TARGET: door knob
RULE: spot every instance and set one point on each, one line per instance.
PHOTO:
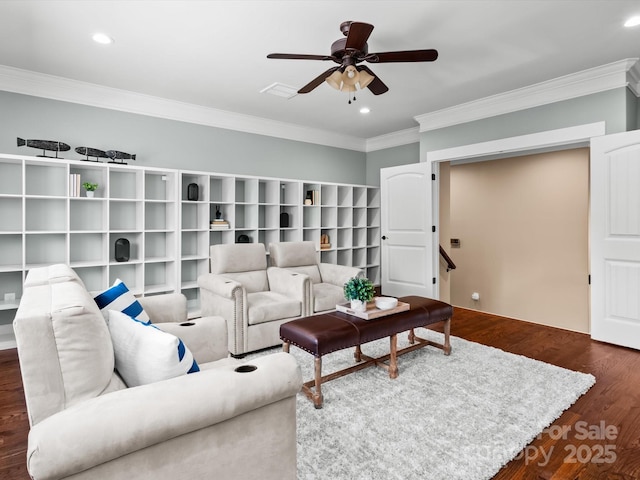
(384, 237)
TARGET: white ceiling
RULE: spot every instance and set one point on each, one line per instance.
(213, 53)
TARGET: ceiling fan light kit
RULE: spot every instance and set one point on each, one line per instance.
(348, 53)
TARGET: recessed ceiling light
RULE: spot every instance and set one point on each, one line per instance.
(632, 22)
(365, 110)
(102, 38)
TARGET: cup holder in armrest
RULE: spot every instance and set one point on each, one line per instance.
(246, 368)
(187, 324)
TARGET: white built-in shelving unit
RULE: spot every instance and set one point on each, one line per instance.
(41, 223)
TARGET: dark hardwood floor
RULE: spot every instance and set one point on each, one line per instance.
(597, 438)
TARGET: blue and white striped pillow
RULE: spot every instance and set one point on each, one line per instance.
(145, 354)
(119, 298)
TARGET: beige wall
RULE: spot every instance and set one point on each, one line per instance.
(445, 230)
(522, 225)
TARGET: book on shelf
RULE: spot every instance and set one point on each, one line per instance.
(74, 184)
(219, 224)
(312, 197)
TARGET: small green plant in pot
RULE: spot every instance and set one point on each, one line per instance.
(359, 291)
(90, 188)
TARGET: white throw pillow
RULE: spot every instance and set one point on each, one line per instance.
(118, 297)
(145, 354)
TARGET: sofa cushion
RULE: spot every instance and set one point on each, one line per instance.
(269, 306)
(118, 297)
(326, 296)
(57, 273)
(145, 354)
(293, 254)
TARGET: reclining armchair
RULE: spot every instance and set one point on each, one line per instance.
(86, 423)
(253, 299)
(327, 279)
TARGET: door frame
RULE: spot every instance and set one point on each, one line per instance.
(509, 147)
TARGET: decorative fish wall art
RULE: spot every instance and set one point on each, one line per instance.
(45, 145)
(91, 152)
(118, 157)
(115, 156)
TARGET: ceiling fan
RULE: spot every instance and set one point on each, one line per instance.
(348, 53)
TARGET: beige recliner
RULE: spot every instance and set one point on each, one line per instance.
(86, 424)
(327, 279)
(253, 299)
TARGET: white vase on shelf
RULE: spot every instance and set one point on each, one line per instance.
(90, 194)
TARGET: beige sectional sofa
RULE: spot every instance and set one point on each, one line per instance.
(86, 424)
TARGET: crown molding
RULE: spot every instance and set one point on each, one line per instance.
(393, 139)
(58, 88)
(624, 73)
(633, 79)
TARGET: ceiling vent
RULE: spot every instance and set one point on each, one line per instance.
(280, 90)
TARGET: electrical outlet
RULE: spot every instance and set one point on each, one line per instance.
(10, 297)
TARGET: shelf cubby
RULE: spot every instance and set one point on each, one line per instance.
(93, 277)
(359, 237)
(45, 249)
(329, 217)
(221, 189)
(201, 180)
(46, 179)
(194, 245)
(329, 195)
(359, 257)
(10, 283)
(10, 214)
(124, 183)
(125, 215)
(345, 238)
(159, 185)
(359, 196)
(129, 273)
(87, 248)
(10, 252)
(159, 215)
(135, 245)
(345, 216)
(87, 214)
(10, 177)
(345, 196)
(45, 215)
(246, 190)
(159, 246)
(159, 277)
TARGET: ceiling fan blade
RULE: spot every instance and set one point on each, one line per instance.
(318, 80)
(296, 56)
(376, 86)
(358, 35)
(403, 56)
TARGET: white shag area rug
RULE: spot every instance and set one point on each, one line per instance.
(462, 416)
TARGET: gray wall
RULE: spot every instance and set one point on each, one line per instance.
(619, 108)
(165, 143)
(390, 157)
(610, 106)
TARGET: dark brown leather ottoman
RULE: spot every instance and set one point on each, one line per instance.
(333, 331)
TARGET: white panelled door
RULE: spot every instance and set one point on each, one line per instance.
(615, 239)
(407, 237)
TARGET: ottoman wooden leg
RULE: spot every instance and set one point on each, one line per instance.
(285, 347)
(447, 332)
(357, 355)
(393, 356)
(412, 337)
(317, 394)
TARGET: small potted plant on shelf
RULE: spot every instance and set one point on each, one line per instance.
(359, 291)
(90, 188)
